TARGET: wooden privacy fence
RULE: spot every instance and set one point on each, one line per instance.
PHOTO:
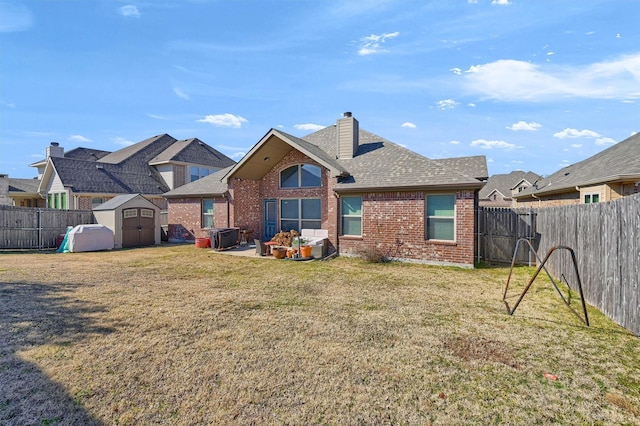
(606, 241)
(36, 228)
(604, 236)
(498, 231)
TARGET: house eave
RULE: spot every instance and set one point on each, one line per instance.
(442, 187)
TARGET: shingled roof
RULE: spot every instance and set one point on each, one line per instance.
(619, 162)
(504, 183)
(212, 186)
(130, 170)
(382, 164)
(378, 164)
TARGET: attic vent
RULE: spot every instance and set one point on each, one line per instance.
(99, 166)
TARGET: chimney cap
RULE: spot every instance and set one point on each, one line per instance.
(348, 114)
(55, 144)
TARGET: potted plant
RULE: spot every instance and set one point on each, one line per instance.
(303, 248)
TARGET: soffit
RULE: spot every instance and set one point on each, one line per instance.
(263, 159)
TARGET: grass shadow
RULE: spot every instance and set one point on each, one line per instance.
(32, 315)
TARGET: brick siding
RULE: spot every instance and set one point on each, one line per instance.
(393, 222)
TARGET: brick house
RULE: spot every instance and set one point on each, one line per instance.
(84, 178)
(368, 192)
(609, 175)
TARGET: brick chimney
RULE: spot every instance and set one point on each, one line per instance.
(55, 150)
(348, 131)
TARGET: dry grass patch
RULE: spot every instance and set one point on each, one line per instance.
(179, 335)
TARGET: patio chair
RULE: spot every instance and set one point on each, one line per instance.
(261, 248)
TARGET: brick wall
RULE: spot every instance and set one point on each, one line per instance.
(247, 207)
(185, 217)
(394, 224)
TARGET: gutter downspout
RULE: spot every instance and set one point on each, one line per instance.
(335, 194)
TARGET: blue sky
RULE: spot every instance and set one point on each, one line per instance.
(533, 85)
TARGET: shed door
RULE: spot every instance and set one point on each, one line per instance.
(138, 227)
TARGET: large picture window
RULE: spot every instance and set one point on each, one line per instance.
(303, 213)
(207, 213)
(441, 217)
(301, 176)
(351, 214)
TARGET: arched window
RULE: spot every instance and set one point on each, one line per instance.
(301, 176)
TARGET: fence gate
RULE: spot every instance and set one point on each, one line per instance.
(499, 229)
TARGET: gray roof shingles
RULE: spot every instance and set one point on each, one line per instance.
(128, 170)
(614, 163)
(378, 164)
(503, 183)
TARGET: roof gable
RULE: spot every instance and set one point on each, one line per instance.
(142, 151)
(272, 148)
(121, 200)
(193, 151)
(504, 183)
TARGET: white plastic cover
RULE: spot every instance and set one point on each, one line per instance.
(90, 238)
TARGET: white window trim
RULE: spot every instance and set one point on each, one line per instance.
(454, 217)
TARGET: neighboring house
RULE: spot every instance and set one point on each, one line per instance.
(19, 192)
(84, 178)
(608, 175)
(369, 193)
(499, 188)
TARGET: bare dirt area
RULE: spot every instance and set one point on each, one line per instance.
(179, 335)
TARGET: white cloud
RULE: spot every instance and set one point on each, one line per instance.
(237, 155)
(309, 127)
(157, 117)
(409, 125)
(129, 11)
(179, 93)
(484, 144)
(471, 105)
(501, 2)
(576, 145)
(511, 80)
(456, 71)
(373, 43)
(79, 138)
(523, 125)
(15, 17)
(472, 1)
(224, 120)
(122, 141)
(605, 141)
(575, 133)
(447, 104)
(454, 142)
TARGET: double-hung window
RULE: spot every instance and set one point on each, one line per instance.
(441, 217)
(301, 213)
(207, 213)
(301, 176)
(351, 214)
